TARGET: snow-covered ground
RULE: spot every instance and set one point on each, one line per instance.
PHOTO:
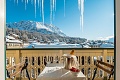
(25, 45)
(53, 45)
(107, 45)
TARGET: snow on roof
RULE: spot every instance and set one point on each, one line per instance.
(13, 41)
(15, 35)
(86, 46)
(10, 37)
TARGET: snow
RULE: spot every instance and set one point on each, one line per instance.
(35, 27)
(61, 31)
(107, 45)
(86, 46)
(39, 26)
(108, 38)
(25, 45)
(54, 45)
(25, 4)
(13, 41)
(10, 37)
(15, 35)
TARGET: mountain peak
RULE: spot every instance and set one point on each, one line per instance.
(34, 26)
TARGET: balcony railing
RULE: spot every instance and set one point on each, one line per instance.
(36, 60)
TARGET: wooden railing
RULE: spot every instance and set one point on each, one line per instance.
(36, 60)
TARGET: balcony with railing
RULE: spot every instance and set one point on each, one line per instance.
(36, 60)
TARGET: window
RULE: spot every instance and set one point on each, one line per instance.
(56, 36)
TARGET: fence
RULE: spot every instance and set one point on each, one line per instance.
(36, 60)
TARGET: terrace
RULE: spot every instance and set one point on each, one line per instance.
(36, 60)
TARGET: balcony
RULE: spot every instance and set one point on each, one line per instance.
(36, 60)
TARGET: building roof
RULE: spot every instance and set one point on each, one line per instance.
(15, 35)
(10, 37)
(13, 41)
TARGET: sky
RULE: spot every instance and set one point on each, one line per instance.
(98, 16)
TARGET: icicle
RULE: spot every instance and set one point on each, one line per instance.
(14, 1)
(51, 11)
(82, 22)
(40, 8)
(35, 7)
(43, 11)
(53, 16)
(31, 1)
(55, 5)
(27, 1)
(22, 1)
(64, 8)
(81, 8)
(17, 2)
(79, 4)
(82, 12)
(38, 3)
(25, 4)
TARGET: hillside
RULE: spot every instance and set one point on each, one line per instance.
(28, 30)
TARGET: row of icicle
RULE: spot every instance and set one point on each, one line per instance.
(40, 5)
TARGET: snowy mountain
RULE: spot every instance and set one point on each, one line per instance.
(107, 39)
(110, 39)
(33, 26)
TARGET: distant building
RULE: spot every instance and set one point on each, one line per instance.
(56, 40)
(94, 44)
(31, 40)
(14, 35)
(12, 42)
